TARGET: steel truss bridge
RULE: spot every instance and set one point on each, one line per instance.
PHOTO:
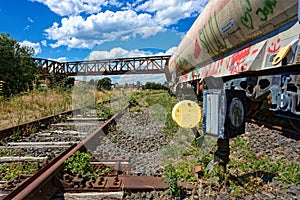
(118, 66)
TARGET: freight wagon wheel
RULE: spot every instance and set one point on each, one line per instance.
(295, 124)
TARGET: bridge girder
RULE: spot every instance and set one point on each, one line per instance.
(118, 66)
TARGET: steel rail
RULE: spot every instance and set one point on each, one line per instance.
(32, 188)
(285, 131)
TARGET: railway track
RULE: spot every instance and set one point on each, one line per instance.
(58, 137)
(128, 168)
(37, 149)
(131, 146)
(47, 144)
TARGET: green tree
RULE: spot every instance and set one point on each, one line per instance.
(104, 84)
(17, 69)
(153, 86)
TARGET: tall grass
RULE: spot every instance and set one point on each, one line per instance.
(33, 105)
(41, 103)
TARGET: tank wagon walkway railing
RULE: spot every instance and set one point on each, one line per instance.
(118, 66)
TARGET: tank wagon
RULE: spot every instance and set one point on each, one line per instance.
(238, 54)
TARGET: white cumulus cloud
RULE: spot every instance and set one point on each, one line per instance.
(77, 32)
(87, 23)
(113, 53)
(171, 11)
(36, 46)
(119, 52)
(75, 7)
(44, 43)
(171, 51)
(60, 59)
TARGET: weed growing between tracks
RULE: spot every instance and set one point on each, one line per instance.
(250, 172)
(10, 171)
(8, 152)
(80, 163)
(247, 172)
(105, 110)
(172, 179)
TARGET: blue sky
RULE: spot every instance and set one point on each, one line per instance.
(72, 30)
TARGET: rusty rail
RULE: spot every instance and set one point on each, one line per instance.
(34, 187)
(285, 131)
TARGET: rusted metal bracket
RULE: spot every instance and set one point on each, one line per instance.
(120, 183)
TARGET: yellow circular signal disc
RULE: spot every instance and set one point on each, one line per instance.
(187, 114)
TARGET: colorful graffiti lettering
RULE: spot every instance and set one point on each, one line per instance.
(210, 38)
(239, 57)
(237, 69)
(254, 51)
(264, 12)
(212, 69)
(182, 65)
(246, 19)
(176, 65)
(193, 75)
(275, 46)
(268, 9)
(184, 78)
(233, 64)
(237, 62)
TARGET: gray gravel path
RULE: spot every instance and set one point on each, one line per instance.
(142, 139)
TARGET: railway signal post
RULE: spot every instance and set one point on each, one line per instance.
(223, 115)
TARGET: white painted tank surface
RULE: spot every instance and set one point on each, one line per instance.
(226, 25)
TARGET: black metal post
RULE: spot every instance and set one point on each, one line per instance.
(222, 153)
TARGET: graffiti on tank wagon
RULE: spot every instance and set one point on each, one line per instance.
(182, 64)
(238, 61)
(213, 68)
(267, 9)
(263, 12)
(246, 19)
(210, 39)
(275, 46)
(234, 64)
